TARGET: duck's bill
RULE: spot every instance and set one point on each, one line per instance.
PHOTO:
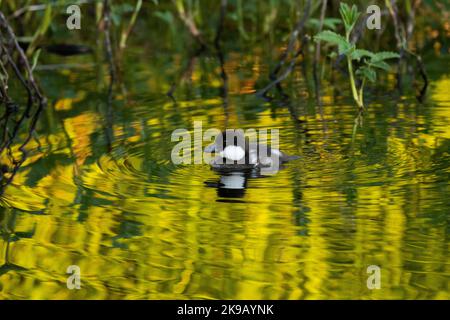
(210, 148)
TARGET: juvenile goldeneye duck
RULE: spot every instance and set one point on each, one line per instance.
(233, 150)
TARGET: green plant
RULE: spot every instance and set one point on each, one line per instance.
(370, 61)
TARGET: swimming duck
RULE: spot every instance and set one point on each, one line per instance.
(234, 151)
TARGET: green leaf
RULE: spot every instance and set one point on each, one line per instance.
(384, 55)
(344, 10)
(368, 73)
(380, 65)
(357, 54)
(165, 16)
(329, 23)
(35, 59)
(349, 16)
(123, 8)
(115, 18)
(331, 37)
(336, 39)
(42, 30)
(312, 22)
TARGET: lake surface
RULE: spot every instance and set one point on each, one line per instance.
(98, 189)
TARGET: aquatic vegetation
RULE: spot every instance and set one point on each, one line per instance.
(371, 62)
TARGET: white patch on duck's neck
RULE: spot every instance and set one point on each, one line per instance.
(234, 153)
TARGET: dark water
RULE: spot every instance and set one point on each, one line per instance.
(98, 189)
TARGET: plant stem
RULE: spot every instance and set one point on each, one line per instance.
(357, 97)
(361, 93)
(352, 81)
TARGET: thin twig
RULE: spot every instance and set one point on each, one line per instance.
(22, 56)
(8, 46)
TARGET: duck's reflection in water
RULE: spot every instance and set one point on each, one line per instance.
(232, 182)
(232, 185)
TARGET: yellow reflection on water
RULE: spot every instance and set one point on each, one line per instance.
(141, 228)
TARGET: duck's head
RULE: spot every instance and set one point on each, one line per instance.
(230, 145)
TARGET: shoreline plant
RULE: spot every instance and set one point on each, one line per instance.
(370, 62)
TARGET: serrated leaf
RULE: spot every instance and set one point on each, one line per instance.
(384, 55)
(346, 49)
(344, 10)
(355, 13)
(349, 16)
(336, 39)
(357, 54)
(367, 73)
(380, 65)
(331, 37)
